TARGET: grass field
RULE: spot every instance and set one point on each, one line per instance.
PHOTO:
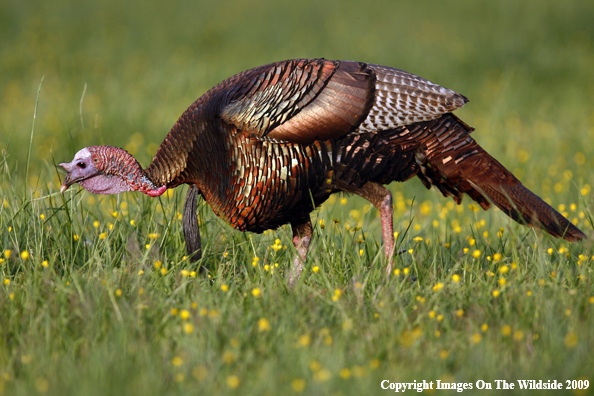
(97, 297)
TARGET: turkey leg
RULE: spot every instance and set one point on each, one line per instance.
(381, 198)
(191, 227)
(302, 233)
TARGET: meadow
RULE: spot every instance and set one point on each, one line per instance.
(98, 298)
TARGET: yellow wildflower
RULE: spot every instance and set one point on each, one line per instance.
(337, 293)
(277, 246)
(570, 340)
(298, 385)
(518, 335)
(233, 381)
(264, 325)
(345, 373)
(184, 314)
(304, 340)
(322, 375)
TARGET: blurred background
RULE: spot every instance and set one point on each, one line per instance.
(121, 73)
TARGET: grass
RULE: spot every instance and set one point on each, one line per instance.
(96, 295)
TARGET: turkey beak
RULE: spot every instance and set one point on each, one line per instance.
(68, 180)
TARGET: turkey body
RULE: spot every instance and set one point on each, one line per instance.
(268, 145)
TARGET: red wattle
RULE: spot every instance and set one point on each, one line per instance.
(156, 192)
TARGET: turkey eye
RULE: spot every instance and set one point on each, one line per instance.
(81, 165)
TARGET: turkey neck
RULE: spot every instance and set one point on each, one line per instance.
(193, 152)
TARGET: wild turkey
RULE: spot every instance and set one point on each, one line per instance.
(268, 145)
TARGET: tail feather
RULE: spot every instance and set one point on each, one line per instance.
(459, 163)
(525, 207)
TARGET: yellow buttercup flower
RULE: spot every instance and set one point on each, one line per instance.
(184, 314)
(233, 381)
(264, 325)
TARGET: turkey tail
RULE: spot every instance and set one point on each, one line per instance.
(525, 207)
(456, 164)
